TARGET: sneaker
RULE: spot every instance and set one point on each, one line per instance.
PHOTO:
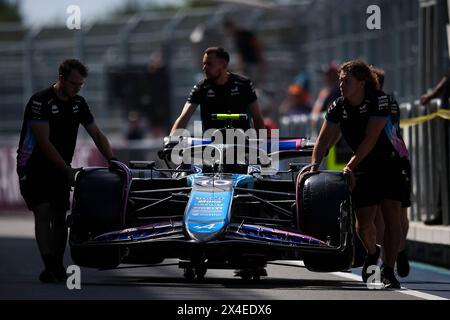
(402, 264)
(388, 279)
(370, 260)
(47, 276)
(60, 274)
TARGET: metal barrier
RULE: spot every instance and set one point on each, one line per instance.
(429, 149)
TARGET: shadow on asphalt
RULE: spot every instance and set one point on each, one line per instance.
(233, 283)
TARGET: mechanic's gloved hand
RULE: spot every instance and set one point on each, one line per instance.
(171, 141)
(71, 175)
(111, 163)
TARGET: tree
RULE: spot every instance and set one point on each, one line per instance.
(9, 11)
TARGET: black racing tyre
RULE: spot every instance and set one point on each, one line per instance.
(97, 208)
(324, 201)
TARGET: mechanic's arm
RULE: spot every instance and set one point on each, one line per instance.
(373, 131)
(327, 138)
(41, 131)
(424, 99)
(100, 140)
(258, 120)
(183, 119)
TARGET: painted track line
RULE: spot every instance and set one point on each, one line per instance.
(355, 277)
(403, 290)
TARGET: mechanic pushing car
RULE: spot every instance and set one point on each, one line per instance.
(221, 92)
(46, 148)
(402, 257)
(362, 116)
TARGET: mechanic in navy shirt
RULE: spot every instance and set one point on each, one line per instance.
(46, 147)
(394, 132)
(361, 116)
(221, 92)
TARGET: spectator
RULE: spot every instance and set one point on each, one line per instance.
(402, 258)
(135, 130)
(298, 101)
(249, 49)
(330, 91)
(46, 147)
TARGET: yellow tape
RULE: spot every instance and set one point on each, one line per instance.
(442, 113)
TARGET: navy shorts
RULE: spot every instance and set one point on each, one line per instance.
(367, 191)
(390, 181)
(44, 187)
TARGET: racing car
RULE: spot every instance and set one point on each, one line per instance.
(213, 215)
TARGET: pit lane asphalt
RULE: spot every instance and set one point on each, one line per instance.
(21, 266)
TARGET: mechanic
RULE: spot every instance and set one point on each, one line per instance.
(46, 147)
(361, 116)
(405, 168)
(221, 92)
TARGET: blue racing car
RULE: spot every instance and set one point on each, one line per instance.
(212, 214)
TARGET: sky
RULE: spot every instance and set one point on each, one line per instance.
(40, 12)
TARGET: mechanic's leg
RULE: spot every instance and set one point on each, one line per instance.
(402, 257)
(393, 233)
(43, 232)
(365, 226)
(405, 228)
(59, 231)
(379, 225)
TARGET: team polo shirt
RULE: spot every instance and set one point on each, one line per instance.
(235, 96)
(63, 117)
(393, 130)
(353, 121)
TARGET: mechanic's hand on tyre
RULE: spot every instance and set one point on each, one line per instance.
(313, 167)
(111, 163)
(351, 176)
(71, 173)
(171, 141)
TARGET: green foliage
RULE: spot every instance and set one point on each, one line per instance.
(200, 3)
(9, 11)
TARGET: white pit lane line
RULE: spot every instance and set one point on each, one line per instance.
(403, 290)
(356, 277)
